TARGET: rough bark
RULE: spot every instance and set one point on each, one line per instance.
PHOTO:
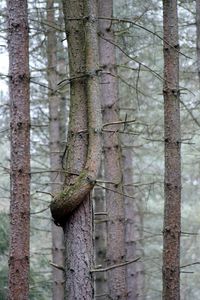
(20, 149)
(72, 208)
(112, 156)
(73, 195)
(55, 150)
(100, 244)
(198, 36)
(133, 226)
(172, 210)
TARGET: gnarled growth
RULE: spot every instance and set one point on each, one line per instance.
(74, 193)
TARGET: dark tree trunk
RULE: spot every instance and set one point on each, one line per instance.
(172, 211)
(72, 208)
(20, 149)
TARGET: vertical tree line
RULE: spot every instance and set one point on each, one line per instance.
(18, 47)
(172, 207)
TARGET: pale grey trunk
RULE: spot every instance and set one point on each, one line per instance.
(172, 211)
(20, 149)
(198, 36)
(112, 155)
(101, 287)
(134, 226)
(55, 148)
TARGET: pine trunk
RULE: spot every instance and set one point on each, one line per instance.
(172, 211)
(112, 155)
(134, 226)
(55, 150)
(20, 149)
(84, 149)
(198, 36)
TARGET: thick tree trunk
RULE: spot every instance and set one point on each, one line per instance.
(198, 36)
(172, 211)
(112, 156)
(78, 238)
(72, 208)
(55, 150)
(20, 149)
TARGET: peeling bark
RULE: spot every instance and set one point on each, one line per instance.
(20, 149)
(172, 211)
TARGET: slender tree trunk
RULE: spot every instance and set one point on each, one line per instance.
(198, 36)
(55, 150)
(20, 149)
(112, 155)
(101, 286)
(172, 211)
(134, 226)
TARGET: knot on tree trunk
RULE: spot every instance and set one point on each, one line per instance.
(71, 197)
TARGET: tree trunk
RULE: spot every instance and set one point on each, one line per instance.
(55, 150)
(198, 36)
(100, 245)
(72, 208)
(133, 228)
(112, 155)
(172, 211)
(20, 149)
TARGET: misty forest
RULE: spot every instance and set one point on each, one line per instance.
(100, 146)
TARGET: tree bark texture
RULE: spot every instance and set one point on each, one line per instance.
(55, 150)
(18, 46)
(133, 225)
(112, 155)
(100, 245)
(73, 195)
(72, 208)
(198, 36)
(172, 206)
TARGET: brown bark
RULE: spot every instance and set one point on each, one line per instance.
(20, 149)
(112, 156)
(55, 149)
(172, 211)
(198, 36)
(73, 195)
(72, 208)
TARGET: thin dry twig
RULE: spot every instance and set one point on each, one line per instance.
(115, 266)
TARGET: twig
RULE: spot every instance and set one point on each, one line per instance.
(118, 122)
(130, 57)
(115, 266)
(45, 193)
(192, 264)
(57, 266)
(144, 28)
(40, 211)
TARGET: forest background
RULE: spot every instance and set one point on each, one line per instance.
(139, 55)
